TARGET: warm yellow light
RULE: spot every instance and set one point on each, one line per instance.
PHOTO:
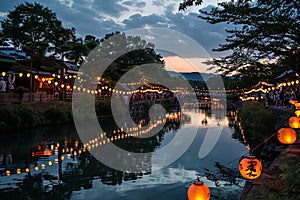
(287, 135)
(49, 82)
(297, 81)
(28, 75)
(56, 160)
(250, 167)
(297, 113)
(3, 73)
(68, 87)
(58, 76)
(66, 77)
(62, 157)
(20, 74)
(74, 76)
(36, 76)
(62, 85)
(198, 191)
(7, 172)
(18, 171)
(69, 155)
(43, 166)
(27, 170)
(36, 168)
(43, 79)
(55, 83)
(50, 163)
(53, 75)
(74, 87)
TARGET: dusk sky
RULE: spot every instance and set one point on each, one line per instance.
(99, 17)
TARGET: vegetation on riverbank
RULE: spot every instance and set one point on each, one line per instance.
(27, 115)
(281, 168)
(257, 122)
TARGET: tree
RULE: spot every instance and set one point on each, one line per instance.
(263, 30)
(36, 30)
(137, 52)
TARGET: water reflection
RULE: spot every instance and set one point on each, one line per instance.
(53, 163)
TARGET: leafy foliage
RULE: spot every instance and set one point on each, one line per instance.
(36, 30)
(285, 185)
(256, 122)
(263, 30)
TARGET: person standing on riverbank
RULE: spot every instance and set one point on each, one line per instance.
(2, 85)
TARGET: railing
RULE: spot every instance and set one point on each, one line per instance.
(25, 97)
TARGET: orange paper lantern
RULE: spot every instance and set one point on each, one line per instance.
(293, 101)
(297, 105)
(198, 191)
(250, 168)
(294, 122)
(287, 135)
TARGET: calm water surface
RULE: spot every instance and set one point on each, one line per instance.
(71, 172)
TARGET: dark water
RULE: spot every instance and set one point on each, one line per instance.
(71, 172)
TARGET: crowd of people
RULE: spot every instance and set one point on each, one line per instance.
(281, 98)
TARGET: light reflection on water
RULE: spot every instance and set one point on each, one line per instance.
(86, 178)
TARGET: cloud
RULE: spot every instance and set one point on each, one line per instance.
(98, 17)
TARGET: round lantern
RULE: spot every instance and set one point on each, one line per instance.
(198, 191)
(287, 135)
(250, 168)
(294, 122)
(297, 105)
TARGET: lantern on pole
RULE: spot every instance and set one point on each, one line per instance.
(287, 135)
(198, 191)
(250, 167)
(294, 122)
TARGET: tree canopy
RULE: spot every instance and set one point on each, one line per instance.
(266, 34)
(123, 53)
(36, 30)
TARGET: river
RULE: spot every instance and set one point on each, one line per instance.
(52, 162)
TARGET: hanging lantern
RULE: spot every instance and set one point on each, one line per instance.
(297, 105)
(250, 167)
(50, 163)
(293, 101)
(294, 122)
(287, 135)
(7, 172)
(28, 75)
(27, 170)
(36, 168)
(18, 171)
(198, 191)
(20, 75)
(43, 166)
(297, 113)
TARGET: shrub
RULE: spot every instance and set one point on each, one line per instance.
(258, 122)
(59, 114)
(18, 116)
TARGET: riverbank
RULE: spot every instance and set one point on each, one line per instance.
(281, 164)
(34, 114)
